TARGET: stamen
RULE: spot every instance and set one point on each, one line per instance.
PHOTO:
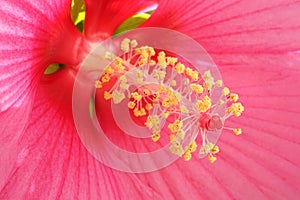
(168, 93)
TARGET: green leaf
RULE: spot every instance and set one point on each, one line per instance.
(78, 13)
(132, 22)
(52, 69)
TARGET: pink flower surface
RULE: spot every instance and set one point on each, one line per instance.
(256, 47)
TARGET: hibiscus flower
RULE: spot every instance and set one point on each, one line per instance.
(256, 47)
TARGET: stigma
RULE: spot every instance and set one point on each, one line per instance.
(174, 99)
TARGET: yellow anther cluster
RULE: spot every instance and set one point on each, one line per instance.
(237, 131)
(197, 88)
(145, 53)
(159, 74)
(204, 104)
(210, 149)
(233, 97)
(215, 150)
(98, 84)
(192, 147)
(107, 95)
(164, 60)
(209, 80)
(139, 112)
(133, 43)
(117, 96)
(219, 83)
(176, 126)
(152, 123)
(118, 64)
(236, 109)
(225, 91)
(171, 60)
(179, 68)
(206, 148)
(194, 75)
(211, 158)
(161, 59)
(136, 96)
(155, 137)
(105, 78)
(176, 147)
(125, 45)
(108, 71)
(171, 100)
(123, 83)
(131, 104)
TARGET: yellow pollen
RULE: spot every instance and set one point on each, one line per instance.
(187, 155)
(215, 150)
(109, 70)
(233, 97)
(161, 59)
(237, 131)
(125, 45)
(155, 137)
(139, 112)
(171, 60)
(179, 68)
(133, 43)
(225, 91)
(206, 148)
(207, 75)
(136, 96)
(105, 78)
(131, 104)
(197, 88)
(193, 146)
(166, 103)
(176, 126)
(98, 84)
(236, 109)
(107, 95)
(204, 104)
(211, 158)
(219, 83)
(117, 96)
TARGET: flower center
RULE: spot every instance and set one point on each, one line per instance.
(151, 86)
(169, 96)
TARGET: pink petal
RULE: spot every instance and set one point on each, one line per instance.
(104, 17)
(53, 163)
(30, 39)
(234, 26)
(252, 48)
